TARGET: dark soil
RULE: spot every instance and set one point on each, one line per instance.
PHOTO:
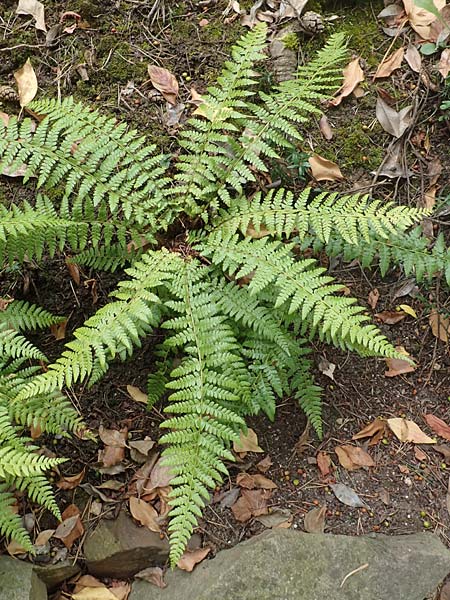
(404, 493)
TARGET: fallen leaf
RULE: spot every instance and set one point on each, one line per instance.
(372, 299)
(59, 330)
(419, 18)
(252, 503)
(137, 395)
(444, 450)
(160, 476)
(191, 558)
(44, 536)
(264, 464)
(419, 454)
(397, 366)
(325, 128)
(113, 437)
(196, 98)
(164, 82)
(74, 271)
(71, 528)
(70, 482)
(303, 441)
(94, 593)
(153, 575)
(375, 430)
(352, 457)
(413, 58)
(439, 426)
(390, 64)
(26, 83)
(35, 9)
(326, 367)
(228, 498)
(114, 451)
(120, 590)
(384, 496)
(445, 592)
(408, 431)
(395, 123)
(403, 469)
(139, 449)
(251, 482)
(277, 518)
(408, 310)
(390, 317)
(353, 75)
(323, 169)
(440, 326)
(324, 463)
(347, 495)
(315, 520)
(145, 514)
(247, 443)
(4, 118)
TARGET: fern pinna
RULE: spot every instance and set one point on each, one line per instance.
(21, 468)
(234, 292)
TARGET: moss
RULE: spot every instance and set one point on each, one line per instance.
(291, 41)
(353, 146)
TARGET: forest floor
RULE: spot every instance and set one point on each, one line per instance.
(103, 61)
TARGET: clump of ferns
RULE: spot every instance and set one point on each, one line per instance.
(237, 299)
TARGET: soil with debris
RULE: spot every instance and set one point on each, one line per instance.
(103, 61)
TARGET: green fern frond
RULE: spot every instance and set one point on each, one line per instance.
(90, 156)
(210, 386)
(10, 522)
(410, 250)
(29, 231)
(355, 218)
(299, 287)
(22, 315)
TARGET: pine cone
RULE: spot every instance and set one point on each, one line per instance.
(8, 94)
(311, 22)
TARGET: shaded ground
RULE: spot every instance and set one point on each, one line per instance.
(405, 493)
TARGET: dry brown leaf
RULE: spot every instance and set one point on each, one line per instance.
(247, 443)
(391, 317)
(352, 457)
(160, 476)
(250, 482)
(4, 118)
(191, 558)
(120, 589)
(395, 123)
(113, 437)
(325, 128)
(353, 75)
(419, 454)
(315, 520)
(94, 593)
(419, 18)
(440, 326)
(413, 58)
(196, 98)
(323, 169)
(27, 84)
(154, 575)
(252, 503)
(408, 431)
(429, 197)
(439, 426)
(35, 9)
(375, 430)
(278, 518)
(303, 441)
(372, 299)
(59, 330)
(74, 271)
(443, 449)
(70, 482)
(165, 82)
(44, 537)
(137, 394)
(264, 464)
(397, 366)
(324, 463)
(390, 64)
(71, 528)
(145, 514)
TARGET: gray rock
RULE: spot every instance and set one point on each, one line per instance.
(289, 565)
(19, 582)
(120, 548)
(54, 575)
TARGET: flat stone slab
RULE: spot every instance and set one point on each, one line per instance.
(290, 565)
(19, 582)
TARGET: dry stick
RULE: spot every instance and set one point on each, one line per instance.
(361, 568)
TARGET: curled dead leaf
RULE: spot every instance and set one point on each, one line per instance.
(353, 457)
(324, 463)
(353, 75)
(439, 426)
(165, 82)
(27, 83)
(323, 169)
(390, 64)
(408, 431)
(191, 558)
(145, 514)
(314, 521)
(247, 442)
(440, 326)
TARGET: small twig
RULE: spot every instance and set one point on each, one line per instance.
(361, 568)
(23, 46)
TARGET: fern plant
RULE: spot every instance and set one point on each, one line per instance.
(212, 260)
(21, 467)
